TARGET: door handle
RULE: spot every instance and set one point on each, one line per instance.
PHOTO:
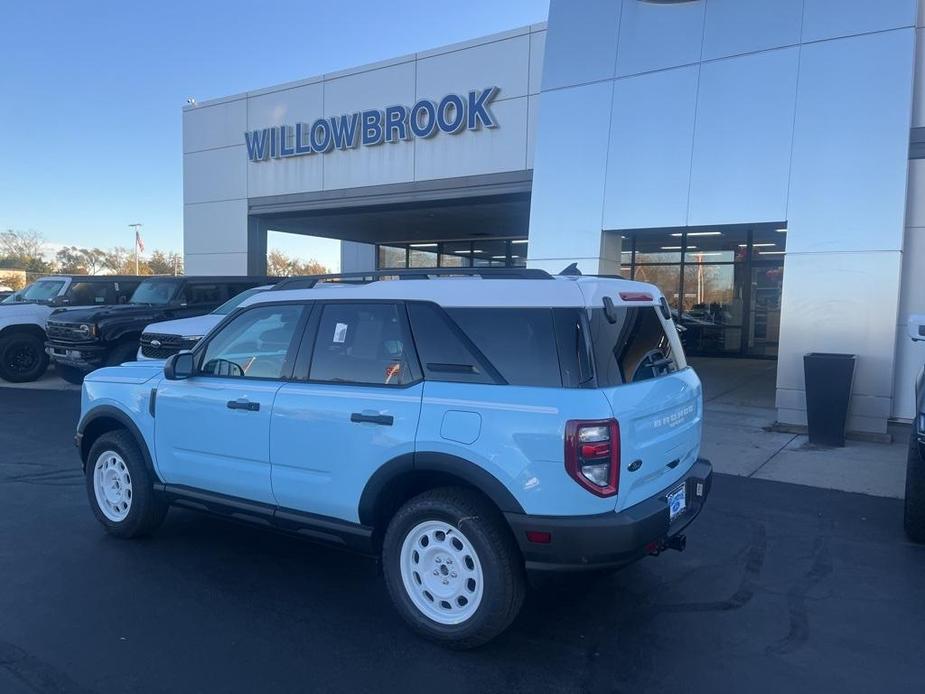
(384, 419)
(244, 405)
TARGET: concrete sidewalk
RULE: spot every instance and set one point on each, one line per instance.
(738, 413)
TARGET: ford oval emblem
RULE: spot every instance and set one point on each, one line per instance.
(635, 465)
(155, 343)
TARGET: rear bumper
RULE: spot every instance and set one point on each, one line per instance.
(610, 539)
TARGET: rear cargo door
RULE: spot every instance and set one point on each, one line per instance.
(655, 398)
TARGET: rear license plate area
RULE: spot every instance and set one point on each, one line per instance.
(677, 502)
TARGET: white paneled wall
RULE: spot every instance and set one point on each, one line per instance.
(741, 112)
(218, 179)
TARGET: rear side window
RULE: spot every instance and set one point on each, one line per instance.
(89, 293)
(519, 342)
(633, 348)
(442, 348)
(196, 294)
(363, 344)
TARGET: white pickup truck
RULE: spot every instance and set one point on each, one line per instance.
(24, 313)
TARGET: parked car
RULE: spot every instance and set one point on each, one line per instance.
(162, 340)
(465, 430)
(23, 315)
(82, 340)
(914, 519)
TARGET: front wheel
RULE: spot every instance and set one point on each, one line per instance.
(914, 517)
(127, 351)
(71, 374)
(120, 488)
(452, 569)
(22, 358)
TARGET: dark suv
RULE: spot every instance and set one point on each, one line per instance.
(80, 341)
(23, 315)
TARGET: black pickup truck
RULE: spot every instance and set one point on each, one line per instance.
(81, 340)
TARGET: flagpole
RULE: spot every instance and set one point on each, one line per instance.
(136, 227)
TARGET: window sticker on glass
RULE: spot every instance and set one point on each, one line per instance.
(340, 332)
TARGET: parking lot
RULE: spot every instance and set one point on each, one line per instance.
(782, 588)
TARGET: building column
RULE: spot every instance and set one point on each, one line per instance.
(357, 257)
(566, 206)
(845, 219)
(256, 246)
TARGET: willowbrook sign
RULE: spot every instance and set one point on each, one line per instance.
(451, 115)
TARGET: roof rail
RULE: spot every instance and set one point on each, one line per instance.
(485, 273)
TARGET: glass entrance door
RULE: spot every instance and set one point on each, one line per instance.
(763, 334)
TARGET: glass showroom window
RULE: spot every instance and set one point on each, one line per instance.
(723, 284)
(392, 257)
(450, 254)
(423, 255)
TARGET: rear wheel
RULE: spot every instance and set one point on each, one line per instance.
(22, 358)
(452, 569)
(914, 519)
(120, 488)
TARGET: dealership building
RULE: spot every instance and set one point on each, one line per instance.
(761, 161)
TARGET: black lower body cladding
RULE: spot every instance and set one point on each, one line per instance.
(610, 540)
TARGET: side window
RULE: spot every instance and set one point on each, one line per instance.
(123, 291)
(199, 294)
(519, 342)
(89, 293)
(442, 348)
(256, 344)
(362, 343)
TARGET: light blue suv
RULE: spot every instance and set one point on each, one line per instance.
(465, 428)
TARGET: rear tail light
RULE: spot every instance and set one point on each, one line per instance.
(592, 455)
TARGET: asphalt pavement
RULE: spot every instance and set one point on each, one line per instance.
(782, 588)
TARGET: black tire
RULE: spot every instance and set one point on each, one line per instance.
(498, 555)
(22, 358)
(914, 516)
(125, 351)
(71, 374)
(146, 510)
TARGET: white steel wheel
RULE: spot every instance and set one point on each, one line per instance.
(112, 485)
(441, 572)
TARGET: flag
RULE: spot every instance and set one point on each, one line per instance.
(138, 242)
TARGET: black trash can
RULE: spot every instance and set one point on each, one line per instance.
(829, 378)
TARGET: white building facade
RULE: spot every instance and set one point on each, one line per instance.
(760, 160)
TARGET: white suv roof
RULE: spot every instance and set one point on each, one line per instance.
(556, 292)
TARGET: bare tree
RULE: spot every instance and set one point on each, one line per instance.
(23, 250)
(279, 264)
(121, 261)
(72, 260)
(161, 263)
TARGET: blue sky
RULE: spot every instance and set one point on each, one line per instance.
(92, 94)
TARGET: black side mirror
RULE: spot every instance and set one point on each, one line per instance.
(179, 366)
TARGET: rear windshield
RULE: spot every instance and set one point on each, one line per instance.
(635, 347)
